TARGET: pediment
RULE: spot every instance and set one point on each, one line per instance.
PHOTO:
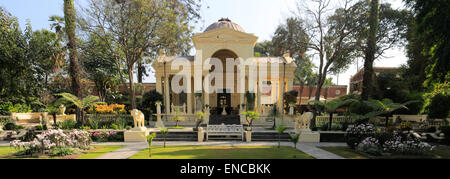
(224, 34)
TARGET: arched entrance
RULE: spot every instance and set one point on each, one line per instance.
(228, 98)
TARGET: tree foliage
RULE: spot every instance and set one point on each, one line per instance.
(135, 28)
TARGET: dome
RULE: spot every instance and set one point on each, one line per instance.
(224, 23)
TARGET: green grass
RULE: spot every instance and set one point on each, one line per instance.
(176, 128)
(344, 152)
(222, 152)
(5, 150)
(440, 152)
(104, 149)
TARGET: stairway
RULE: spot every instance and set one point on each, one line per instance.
(269, 137)
(177, 136)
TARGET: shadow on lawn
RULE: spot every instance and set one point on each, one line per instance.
(224, 152)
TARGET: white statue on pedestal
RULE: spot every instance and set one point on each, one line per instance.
(303, 123)
(139, 120)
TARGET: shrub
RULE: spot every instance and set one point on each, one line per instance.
(148, 105)
(12, 126)
(406, 145)
(110, 136)
(446, 131)
(108, 109)
(63, 151)
(68, 124)
(7, 109)
(52, 140)
(358, 133)
(93, 123)
(437, 102)
(439, 107)
(370, 146)
(114, 126)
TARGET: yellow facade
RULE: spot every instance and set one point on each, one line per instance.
(222, 40)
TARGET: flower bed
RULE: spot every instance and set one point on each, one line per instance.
(53, 142)
(107, 136)
(365, 138)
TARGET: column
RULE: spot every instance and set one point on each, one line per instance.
(189, 102)
(283, 89)
(159, 84)
(290, 83)
(258, 97)
(166, 95)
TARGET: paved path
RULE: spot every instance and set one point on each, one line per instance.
(132, 148)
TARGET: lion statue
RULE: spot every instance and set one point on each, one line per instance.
(304, 121)
(138, 118)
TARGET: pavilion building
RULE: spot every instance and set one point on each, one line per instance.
(224, 40)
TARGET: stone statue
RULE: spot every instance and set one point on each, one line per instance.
(304, 122)
(138, 118)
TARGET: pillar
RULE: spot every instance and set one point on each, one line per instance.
(189, 102)
(166, 95)
(159, 84)
(258, 104)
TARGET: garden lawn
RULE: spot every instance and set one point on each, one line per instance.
(5, 150)
(344, 152)
(100, 150)
(439, 152)
(222, 152)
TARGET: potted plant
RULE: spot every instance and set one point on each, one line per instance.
(250, 116)
(200, 119)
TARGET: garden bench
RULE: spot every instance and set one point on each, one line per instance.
(225, 130)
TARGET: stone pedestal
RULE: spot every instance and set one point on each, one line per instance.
(201, 134)
(291, 110)
(306, 135)
(248, 136)
(136, 135)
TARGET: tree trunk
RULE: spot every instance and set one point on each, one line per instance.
(319, 88)
(331, 121)
(70, 22)
(302, 86)
(131, 85)
(140, 71)
(368, 77)
(387, 121)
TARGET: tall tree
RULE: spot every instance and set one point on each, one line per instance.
(369, 75)
(99, 65)
(74, 70)
(432, 19)
(292, 38)
(331, 38)
(133, 28)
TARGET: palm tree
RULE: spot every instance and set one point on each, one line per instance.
(387, 107)
(294, 138)
(149, 142)
(75, 69)
(164, 131)
(80, 104)
(332, 106)
(280, 130)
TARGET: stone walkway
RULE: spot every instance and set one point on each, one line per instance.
(310, 148)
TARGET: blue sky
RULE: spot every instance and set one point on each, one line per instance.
(259, 17)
